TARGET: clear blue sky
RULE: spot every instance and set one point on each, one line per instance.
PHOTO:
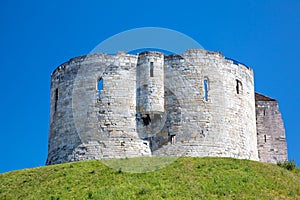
(36, 36)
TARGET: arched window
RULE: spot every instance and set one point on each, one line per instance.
(99, 88)
(239, 87)
(151, 69)
(205, 88)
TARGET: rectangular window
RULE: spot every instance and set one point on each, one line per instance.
(265, 138)
(151, 69)
(99, 88)
(173, 139)
(56, 99)
(205, 86)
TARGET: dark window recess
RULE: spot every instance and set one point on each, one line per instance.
(146, 120)
(205, 86)
(238, 87)
(151, 69)
(56, 99)
(99, 88)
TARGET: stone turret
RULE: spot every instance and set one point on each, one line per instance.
(150, 83)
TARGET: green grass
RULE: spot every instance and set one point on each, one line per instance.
(184, 178)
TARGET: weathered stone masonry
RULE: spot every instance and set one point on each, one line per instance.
(195, 104)
(270, 130)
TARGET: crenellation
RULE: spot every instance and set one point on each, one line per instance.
(198, 103)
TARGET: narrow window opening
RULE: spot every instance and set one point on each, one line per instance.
(205, 86)
(146, 120)
(99, 88)
(265, 138)
(151, 69)
(56, 99)
(173, 139)
(238, 87)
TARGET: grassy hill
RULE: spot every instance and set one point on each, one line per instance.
(184, 178)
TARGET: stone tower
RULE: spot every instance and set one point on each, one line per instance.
(270, 130)
(195, 104)
(150, 83)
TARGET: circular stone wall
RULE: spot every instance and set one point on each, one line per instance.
(208, 108)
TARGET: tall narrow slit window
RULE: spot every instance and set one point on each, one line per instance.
(55, 99)
(99, 88)
(239, 87)
(151, 69)
(265, 138)
(205, 87)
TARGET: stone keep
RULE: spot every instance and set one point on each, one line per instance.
(195, 104)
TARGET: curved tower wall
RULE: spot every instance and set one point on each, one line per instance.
(195, 104)
(221, 123)
(62, 133)
(85, 126)
(150, 83)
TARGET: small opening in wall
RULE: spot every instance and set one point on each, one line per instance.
(146, 120)
(205, 86)
(151, 69)
(238, 86)
(173, 139)
(56, 99)
(265, 138)
(99, 88)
